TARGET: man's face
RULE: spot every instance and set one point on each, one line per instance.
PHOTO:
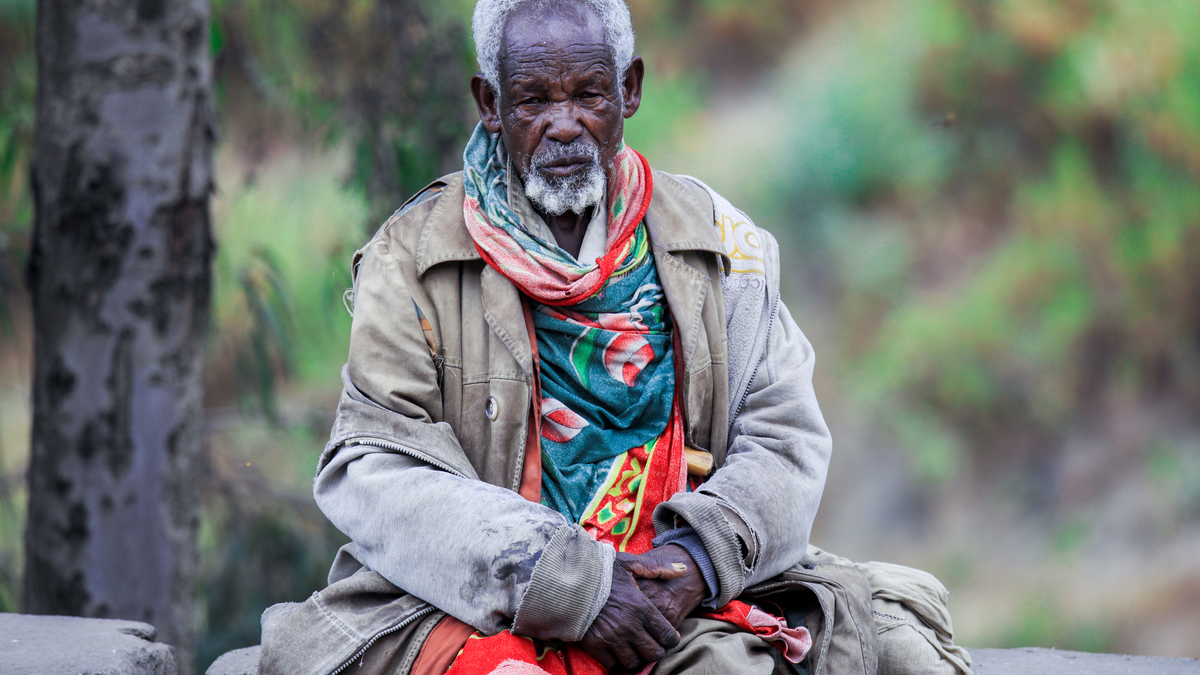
(562, 106)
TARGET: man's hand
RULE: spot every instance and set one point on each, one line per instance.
(630, 631)
(675, 595)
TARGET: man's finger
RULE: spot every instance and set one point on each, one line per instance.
(660, 570)
(648, 648)
(596, 648)
(626, 656)
(660, 629)
(647, 567)
(606, 659)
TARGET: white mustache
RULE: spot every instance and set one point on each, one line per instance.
(579, 146)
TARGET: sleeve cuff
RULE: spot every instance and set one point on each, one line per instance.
(721, 541)
(749, 546)
(569, 586)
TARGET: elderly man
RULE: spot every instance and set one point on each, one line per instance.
(577, 421)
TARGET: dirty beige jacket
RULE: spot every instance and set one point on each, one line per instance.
(426, 455)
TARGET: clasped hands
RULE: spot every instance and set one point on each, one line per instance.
(651, 595)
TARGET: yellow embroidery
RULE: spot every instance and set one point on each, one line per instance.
(741, 245)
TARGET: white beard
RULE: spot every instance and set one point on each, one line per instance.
(574, 193)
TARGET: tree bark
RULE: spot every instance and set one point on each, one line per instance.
(120, 275)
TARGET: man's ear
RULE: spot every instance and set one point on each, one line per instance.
(488, 103)
(632, 86)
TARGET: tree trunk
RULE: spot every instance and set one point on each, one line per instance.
(120, 276)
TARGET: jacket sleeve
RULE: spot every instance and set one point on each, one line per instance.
(399, 485)
(755, 513)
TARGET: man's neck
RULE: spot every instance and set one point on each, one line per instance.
(568, 229)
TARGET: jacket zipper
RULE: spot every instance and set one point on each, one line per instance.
(357, 655)
(746, 394)
(395, 447)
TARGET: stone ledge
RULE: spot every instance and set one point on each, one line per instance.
(1023, 661)
(68, 645)
(236, 662)
(1036, 661)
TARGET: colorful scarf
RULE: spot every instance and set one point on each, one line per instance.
(611, 429)
(541, 270)
(606, 359)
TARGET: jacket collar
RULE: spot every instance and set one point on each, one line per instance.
(676, 219)
(444, 236)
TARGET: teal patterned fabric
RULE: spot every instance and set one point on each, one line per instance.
(608, 381)
(607, 360)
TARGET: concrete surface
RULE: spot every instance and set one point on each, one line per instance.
(1035, 661)
(68, 645)
(236, 662)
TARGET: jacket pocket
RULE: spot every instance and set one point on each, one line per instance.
(698, 405)
(494, 422)
(834, 603)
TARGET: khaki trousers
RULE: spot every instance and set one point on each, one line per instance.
(711, 647)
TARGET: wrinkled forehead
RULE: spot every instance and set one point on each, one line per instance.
(543, 30)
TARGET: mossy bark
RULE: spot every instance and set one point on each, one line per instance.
(120, 275)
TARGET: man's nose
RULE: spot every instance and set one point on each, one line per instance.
(565, 125)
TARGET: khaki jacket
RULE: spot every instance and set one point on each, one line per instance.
(428, 450)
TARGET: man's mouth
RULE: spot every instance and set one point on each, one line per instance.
(561, 167)
(565, 177)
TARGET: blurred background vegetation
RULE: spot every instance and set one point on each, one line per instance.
(990, 211)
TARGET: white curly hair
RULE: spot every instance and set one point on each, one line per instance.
(492, 15)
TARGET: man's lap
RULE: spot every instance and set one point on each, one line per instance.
(706, 646)
(718, 647)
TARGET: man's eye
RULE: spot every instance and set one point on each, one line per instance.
(532, 100)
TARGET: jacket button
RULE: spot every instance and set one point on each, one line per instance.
(492, 410)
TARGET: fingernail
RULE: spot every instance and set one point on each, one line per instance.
(679, 567)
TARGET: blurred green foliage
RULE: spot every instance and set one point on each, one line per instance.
(1002, 200)
(260, 547)
(282, 267)
(1040, 623)
(281, 331)
(267, 354)
(385, 74)
(12, 526)
(17, 74)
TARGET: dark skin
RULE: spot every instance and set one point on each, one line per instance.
(559, 82)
